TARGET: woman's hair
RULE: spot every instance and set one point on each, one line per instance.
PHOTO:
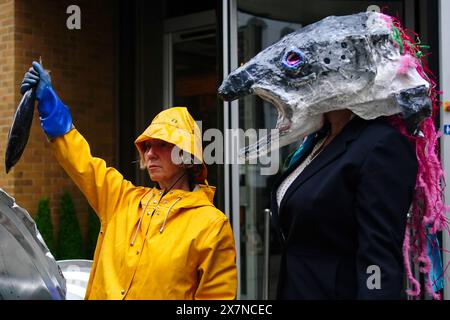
(193, 172)
(427, 214)
(142, 165)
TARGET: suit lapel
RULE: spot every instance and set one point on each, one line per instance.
(274, 204)
(333, 151)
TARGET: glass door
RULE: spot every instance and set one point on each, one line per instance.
(191, 76)
(260, 254)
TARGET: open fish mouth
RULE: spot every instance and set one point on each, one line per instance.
(240, 84)
(270, 142)
(291, 127)
(284, 110)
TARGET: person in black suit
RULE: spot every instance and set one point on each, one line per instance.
(340, 211)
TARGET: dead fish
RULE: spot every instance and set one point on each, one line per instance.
(20, 130)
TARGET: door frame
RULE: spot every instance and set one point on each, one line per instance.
(231, 121)
(174, 29)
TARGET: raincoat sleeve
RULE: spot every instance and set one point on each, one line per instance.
(383, 197)
(104, 187)
(217, 273)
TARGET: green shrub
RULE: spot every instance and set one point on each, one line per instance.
(92, 236)
(44, 223)
(70, 243)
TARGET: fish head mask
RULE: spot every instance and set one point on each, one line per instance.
(341, 62)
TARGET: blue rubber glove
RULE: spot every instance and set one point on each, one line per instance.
(54, 115)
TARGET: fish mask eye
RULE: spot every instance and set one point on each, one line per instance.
(294, 60)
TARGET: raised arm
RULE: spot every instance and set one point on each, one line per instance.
(102, 186)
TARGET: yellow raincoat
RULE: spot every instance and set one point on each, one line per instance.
(183, 248)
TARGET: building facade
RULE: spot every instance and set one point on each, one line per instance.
(30, 30)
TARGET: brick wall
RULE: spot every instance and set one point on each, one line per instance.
(82, 65)
(8, 94)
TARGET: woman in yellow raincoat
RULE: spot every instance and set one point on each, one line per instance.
(166, 242)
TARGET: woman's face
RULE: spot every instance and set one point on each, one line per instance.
(158, 160)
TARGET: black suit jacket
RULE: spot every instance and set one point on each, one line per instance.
(345, 216)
